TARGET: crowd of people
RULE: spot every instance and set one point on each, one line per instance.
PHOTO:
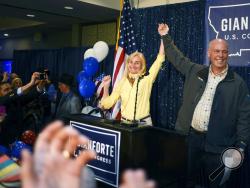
(28, 106)
(215, 115)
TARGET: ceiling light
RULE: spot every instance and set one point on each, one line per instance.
(6, 34)
(30, 15)
(68, 8)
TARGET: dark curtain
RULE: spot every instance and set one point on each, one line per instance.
(58, 61)
(186, 22)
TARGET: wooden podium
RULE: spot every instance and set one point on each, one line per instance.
(160, 152)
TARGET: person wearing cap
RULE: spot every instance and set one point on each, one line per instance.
(69, 103)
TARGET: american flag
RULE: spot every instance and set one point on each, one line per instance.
(99, 86)
(126, 45)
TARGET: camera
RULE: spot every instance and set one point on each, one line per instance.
(42, 76)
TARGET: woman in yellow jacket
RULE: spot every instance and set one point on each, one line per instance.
(134, 89)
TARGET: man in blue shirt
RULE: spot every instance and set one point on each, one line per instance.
(69, 103)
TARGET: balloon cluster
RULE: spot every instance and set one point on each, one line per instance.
(27, 141)
(92, 58)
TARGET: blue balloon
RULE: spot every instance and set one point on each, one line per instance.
(90, 66)
(87, 88)
(81, 75)
(17, 148)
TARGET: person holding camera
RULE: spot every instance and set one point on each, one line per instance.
(13, 102)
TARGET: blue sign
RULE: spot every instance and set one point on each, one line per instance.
(106, 143)
(229, 20)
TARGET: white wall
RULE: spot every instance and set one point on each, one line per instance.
(152, 3)
(115, 4)
(50, 40)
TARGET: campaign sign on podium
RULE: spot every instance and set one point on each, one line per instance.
(106, 143)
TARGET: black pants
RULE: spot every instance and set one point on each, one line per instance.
(201, 163)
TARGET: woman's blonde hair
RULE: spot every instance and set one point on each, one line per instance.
(143, 63)
(16, 82)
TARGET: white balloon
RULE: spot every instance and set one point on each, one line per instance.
(89, 53)
(101, 49)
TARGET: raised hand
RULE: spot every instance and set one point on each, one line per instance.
(163, 29)
(106, 81)
(34, 78)
(51, 165)
(5, 77)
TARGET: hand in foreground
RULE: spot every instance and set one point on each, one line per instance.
(136, 179)
(163, 29)
(51, 165)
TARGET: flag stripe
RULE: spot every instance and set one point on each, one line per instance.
(118, 63)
